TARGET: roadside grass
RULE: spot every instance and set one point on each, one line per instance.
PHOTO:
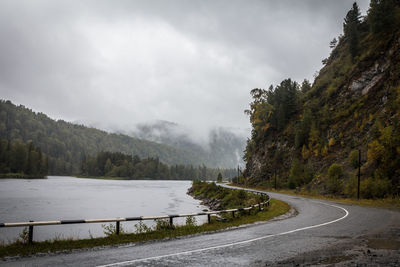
(227, 198)
(276, 208)
(387, 203)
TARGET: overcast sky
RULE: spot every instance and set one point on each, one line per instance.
(118, 63)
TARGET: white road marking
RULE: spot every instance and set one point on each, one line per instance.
(232, 244)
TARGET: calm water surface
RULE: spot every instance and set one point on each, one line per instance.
(63, 198)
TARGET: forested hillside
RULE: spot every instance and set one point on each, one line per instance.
(308, 136)
(132, 167)
(67, 144)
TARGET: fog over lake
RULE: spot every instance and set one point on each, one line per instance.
(63, 198)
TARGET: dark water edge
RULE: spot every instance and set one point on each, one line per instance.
(20, 176)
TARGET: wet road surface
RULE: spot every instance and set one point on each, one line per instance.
(318, 224)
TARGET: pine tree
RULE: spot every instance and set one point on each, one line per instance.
(351, 28)
(381, 15)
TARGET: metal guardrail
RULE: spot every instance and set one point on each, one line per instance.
(118, 221)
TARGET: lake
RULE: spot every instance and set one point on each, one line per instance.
(66, 198)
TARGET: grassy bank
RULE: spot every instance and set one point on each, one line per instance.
(387, 203)
(142, 233)
(225, 198)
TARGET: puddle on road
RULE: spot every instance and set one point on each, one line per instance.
(384, 244)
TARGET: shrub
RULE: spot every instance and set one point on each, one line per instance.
(141, 228)
(334, 175)
(375, 151)
(353, 158)
(190, 221)
(163, 224)
(350, 188)
(111, 229)
(375, 188)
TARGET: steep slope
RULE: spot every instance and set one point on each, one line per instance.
(310, 136)
(66, 144)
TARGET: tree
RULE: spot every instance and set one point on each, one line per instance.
(108, 166)
(351, 28)
(333, 43)
(219, 178)
(305, 86)
(382, 16)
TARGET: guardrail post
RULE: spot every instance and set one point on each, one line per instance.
(209, 218)
(259, 206)
(233, 214)
(30, 234)
(171, 221)
(117, 227)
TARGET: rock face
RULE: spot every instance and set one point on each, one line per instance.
(371, 77)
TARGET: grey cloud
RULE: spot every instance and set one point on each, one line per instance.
(118, 63)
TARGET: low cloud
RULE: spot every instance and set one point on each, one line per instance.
(115, 64)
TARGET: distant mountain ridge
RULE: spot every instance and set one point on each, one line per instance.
(223, 148)
(66, 144)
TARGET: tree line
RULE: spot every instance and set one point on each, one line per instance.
(18, 159)
(117, 164)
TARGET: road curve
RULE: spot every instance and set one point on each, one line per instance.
(318, 224)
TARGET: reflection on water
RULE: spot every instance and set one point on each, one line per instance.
(63, 198)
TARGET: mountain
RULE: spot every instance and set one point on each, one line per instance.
(308, 136)
(66, 144)
(223, 148)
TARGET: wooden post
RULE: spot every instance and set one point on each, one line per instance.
(209, 218)
(30, 234)
(117, 227)
(171, 221)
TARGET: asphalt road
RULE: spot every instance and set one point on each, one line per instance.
(318, 224)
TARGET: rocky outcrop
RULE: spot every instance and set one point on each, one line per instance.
(371, 77)
(212, 204)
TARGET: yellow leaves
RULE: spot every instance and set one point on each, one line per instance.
(316, 152)
(266, 127)
(371, 117)
(324, 151)
(375, 151)
(332, 142)
(386, 136)
(305, 153)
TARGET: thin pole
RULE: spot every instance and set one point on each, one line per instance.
(30, 234)
(359, 174)
(117, 227)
